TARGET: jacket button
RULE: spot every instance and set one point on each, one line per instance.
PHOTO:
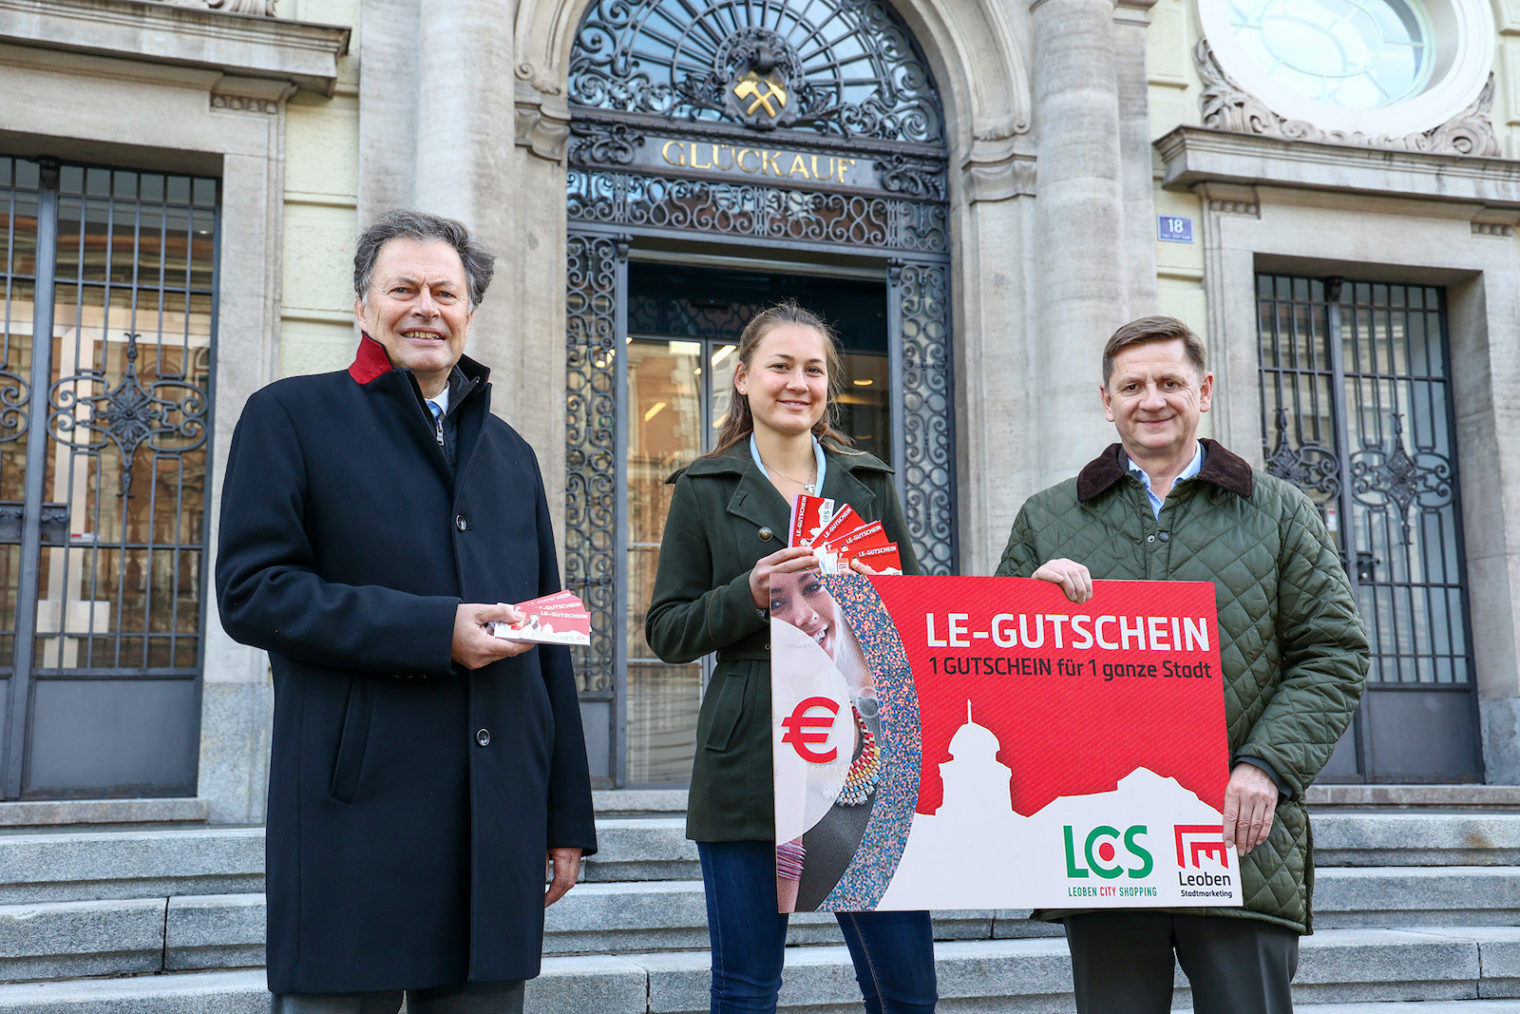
(1164, 536)
(1150, 538)
(766, 535)
(462, 524)
(483, 737)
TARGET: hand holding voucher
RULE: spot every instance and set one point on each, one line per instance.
(782, 561)
(473, 644)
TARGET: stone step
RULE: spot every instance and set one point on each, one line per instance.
(672, 915)
(1410, 896)
(60, 940)
(642, 848)
(1416, 838)
(80, 865)
(194, 932)
(1341, 972)
(90, 865)
(1401, 1007)
(125, 936)
(1356, 971)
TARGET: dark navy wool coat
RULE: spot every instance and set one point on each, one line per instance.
(410, 802)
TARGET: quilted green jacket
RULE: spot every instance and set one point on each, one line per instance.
(1292, 647)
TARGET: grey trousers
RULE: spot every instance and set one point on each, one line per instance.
(471, 998)
(1122, 963)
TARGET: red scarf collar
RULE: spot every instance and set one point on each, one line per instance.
(370, 361)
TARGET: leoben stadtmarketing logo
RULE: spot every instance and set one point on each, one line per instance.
(1201, 847)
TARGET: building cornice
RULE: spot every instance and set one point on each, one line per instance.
(239, 45)
(1194, 155)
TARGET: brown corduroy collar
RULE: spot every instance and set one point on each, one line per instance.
(1226, 470)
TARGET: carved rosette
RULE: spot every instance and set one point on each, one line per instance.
(1228, 106)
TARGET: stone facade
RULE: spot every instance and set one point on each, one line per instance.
(1070, 125)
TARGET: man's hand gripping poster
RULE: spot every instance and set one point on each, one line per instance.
(966, 742)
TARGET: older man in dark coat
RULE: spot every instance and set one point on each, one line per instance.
(423, 771)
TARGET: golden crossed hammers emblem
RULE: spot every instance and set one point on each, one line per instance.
(761, 90)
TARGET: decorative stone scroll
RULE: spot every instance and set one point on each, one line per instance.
(1228, 106)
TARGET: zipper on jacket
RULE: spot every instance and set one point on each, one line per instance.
(438, 430)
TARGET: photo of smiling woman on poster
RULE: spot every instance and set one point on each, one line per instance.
(808, 867)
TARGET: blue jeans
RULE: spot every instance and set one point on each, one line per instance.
(893, 952)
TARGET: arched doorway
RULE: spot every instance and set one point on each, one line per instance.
(721, 156)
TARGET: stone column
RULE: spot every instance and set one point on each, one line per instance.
(467, 167)
(1080, 237)
(389, 63)
(1131, 19)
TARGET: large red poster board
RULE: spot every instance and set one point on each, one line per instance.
(965, 742)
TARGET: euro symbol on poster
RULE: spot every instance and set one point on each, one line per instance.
(803, 729)
(812, 731)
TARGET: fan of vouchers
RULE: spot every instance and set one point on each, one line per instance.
(837, 535)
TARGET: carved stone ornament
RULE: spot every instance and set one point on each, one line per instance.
(245, 104)
(1227, 106)
(261, 7)
(910, 176)
(597, 143)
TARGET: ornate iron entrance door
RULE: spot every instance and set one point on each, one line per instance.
(1356, 411)
(105, 396)
(780, 131)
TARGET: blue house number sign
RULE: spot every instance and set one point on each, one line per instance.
(1174, 228)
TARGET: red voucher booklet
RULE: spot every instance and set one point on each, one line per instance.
(560, 618)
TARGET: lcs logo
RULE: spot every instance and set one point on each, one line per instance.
(1100, 850)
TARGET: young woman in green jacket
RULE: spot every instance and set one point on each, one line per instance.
(723, 560)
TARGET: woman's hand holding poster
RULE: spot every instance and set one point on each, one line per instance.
(966, 742)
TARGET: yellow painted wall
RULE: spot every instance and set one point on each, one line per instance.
(1175, 92)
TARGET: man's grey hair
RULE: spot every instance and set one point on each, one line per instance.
(479, 265)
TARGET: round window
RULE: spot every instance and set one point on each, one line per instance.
(1374, 66)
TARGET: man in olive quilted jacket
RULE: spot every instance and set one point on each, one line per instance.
(1161, 504)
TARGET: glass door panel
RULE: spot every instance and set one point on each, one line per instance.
(684, 326)
(865, 404)
(666, 423)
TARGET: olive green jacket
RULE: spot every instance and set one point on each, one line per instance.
(725, 515)
(1292, 647)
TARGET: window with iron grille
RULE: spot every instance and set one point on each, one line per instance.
(105, 396)
(1357, 411)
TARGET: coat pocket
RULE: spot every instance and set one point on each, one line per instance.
(727, 710)
(348, 765)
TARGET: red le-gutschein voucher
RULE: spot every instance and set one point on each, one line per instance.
(1078, 752)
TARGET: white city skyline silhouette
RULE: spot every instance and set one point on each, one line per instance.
(1021, 862)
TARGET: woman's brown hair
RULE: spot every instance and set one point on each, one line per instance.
(740, 423)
